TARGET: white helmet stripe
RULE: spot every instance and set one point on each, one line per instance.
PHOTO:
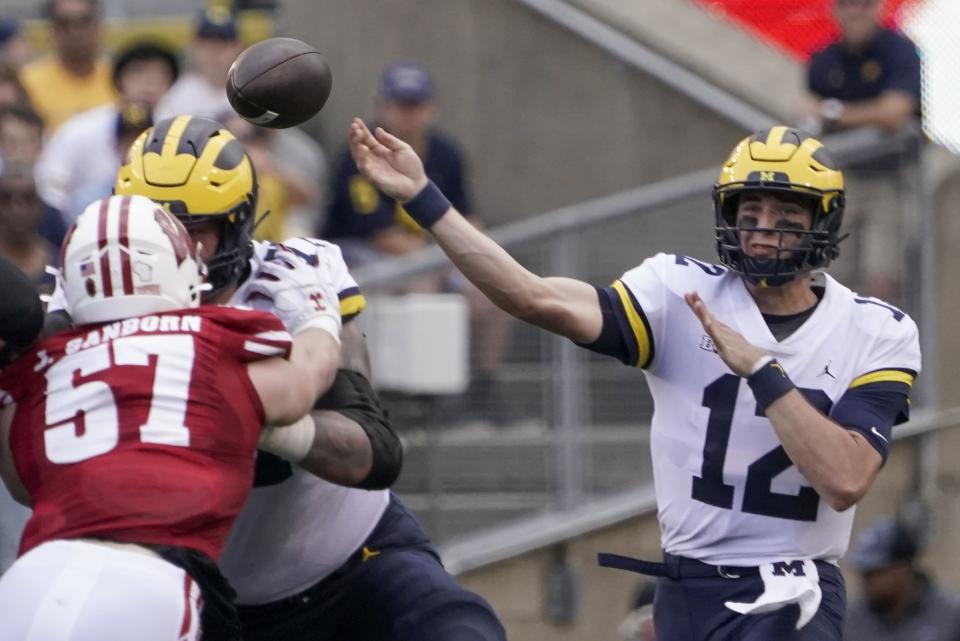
(107, 281)
(126, 273)
(114, 243)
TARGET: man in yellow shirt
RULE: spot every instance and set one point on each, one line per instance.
(75, 76)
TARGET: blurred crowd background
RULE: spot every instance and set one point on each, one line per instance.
(585, 135)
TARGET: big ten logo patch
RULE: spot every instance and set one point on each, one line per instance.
(706, 343)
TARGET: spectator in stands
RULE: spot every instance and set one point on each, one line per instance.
(76, 76)
(870, 76)
(11, 90)
(80, 161)
(638, 624)
(370, 226)
(21, 212)
(282, 187)
(21, 133)
(367, 224)
(199, 90)
(21, 140)
(901, 603)
(14, 46)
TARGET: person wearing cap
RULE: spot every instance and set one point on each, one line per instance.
(900, 601)
(199, 91)
(368, 225)
(79, 162)
(870, 76)
(14, 45)
(76, 75)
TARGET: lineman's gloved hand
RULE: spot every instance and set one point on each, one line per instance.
(301, 295)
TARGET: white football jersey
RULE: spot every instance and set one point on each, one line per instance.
(727, 493)
(300, 528)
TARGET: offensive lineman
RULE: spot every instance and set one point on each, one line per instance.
(310, 560)
(138, 470)
(756, 476)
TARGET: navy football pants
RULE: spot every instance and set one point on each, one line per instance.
(692, 609)
(399, 593)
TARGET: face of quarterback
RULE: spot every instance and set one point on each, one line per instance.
(765, 220)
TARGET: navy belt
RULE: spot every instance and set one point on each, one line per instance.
(676, 567)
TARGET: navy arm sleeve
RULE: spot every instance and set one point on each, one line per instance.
(872, 410)
(611, 341)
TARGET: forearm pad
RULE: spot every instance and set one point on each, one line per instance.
(352, 395)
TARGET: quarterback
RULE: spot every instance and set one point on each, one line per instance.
(775, 387)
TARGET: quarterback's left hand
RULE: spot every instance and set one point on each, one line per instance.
(739, 355)
(301, 295)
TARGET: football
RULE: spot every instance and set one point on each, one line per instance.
(279, 83)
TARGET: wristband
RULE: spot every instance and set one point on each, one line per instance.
(292, 442)
(428, 206)
(769, 383)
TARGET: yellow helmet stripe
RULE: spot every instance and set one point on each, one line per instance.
(172, 142)
(775, 137)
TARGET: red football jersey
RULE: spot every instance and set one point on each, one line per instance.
(142, 430)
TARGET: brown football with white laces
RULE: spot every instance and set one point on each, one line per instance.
(279, 83)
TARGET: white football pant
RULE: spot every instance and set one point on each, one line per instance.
(86, 591)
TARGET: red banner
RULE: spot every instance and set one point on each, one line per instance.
(799, 27)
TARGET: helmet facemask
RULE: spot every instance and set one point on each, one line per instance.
(229, 263)
(818, 245)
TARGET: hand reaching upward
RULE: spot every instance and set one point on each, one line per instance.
(391, 164)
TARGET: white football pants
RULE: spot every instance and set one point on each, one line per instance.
(85, 591)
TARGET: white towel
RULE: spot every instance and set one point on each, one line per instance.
(786, 582)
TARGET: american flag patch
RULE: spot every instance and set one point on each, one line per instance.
(87, 268)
